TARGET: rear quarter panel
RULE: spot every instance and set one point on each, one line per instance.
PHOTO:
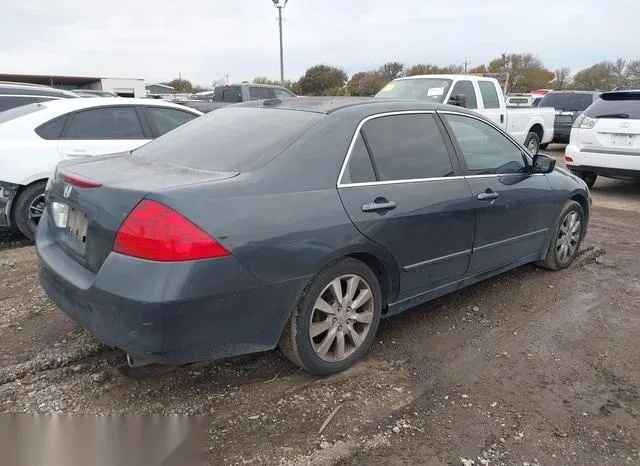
(521, 120)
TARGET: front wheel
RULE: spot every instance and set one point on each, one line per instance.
(28, 209)
(335, 319)
(567, 237)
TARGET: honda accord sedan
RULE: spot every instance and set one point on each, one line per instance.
(297, 223)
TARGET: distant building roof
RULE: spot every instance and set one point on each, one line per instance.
(49, 79)
(147, 86)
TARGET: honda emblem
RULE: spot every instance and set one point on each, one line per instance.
(67, 191)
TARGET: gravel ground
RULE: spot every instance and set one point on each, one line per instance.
(529, 368)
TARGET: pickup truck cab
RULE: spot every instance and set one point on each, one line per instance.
(530, 127)
(235, 93)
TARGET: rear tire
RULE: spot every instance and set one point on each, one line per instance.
(544, 146)
(567, 237)
(325, 334)
(28, 208)
(532, 143)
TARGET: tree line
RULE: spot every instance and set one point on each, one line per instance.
(521, 72)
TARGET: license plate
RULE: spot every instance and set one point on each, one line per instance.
(77, 225)
(622, 139)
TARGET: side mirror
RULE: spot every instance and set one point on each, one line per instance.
(459, 100)
(543, 163)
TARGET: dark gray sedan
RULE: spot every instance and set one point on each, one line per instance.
(297, 223)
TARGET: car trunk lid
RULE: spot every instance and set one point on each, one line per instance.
(93, 213)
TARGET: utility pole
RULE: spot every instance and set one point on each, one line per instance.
(227, 77)
(465, 66)
(280, 4)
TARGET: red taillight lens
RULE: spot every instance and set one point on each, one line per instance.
(156, 232)
(77, 180)
(568, 159)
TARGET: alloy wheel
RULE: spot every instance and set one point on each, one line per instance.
(568, 237)
(36, 209)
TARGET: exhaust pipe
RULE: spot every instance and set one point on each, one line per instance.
(136, 361)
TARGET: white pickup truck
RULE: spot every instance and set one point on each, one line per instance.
(531, 127)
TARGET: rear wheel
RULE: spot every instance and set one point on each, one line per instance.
(532, 143)
(567, 237)
(28, 209)
(544, 146)
(588, 177)
(335, 319)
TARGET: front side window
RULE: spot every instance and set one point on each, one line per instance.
(283, 94)
(260, 93)
(105, 123)
(406, 147)
(466, 88)
(484, 149)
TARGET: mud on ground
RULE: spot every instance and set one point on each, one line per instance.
(532, 367)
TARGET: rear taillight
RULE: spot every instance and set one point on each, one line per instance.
(568, 159)
(156, 232)
(77, 180)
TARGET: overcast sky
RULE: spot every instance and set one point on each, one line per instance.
(206, 39)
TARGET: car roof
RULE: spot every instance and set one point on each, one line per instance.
(13, 88)
(68, 105)
(329, 105)
(571, 91)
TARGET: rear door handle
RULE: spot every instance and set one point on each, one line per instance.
(488, 196)
(378, 206)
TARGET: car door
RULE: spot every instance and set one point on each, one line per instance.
(102, 130)
(164, 119)
(465, 87)
(402, 187)
(514, 206)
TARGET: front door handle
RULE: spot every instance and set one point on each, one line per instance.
(488, 195)
(378, 206)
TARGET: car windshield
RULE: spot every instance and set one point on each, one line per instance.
(430, 89)
(568, 101)
(230, 139)
(619, 105)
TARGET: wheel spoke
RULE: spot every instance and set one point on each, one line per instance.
(562, 253)
(340, 345)
(362, 317)
(576, 227)
(336, 289)
(352, 287)
(317, 328)
(323, 306)
(323, 348)
(355, 336)
(364, 296)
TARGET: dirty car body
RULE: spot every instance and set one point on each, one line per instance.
(277, 208)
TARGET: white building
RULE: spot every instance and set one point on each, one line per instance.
(124, 87)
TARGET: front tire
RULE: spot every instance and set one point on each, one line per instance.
(28, 209)
(532, 143)
(335, 318)
(567, 237)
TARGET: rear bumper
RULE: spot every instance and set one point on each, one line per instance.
(8, 192)
(173, 313)
(614, 165)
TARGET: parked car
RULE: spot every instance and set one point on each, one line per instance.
(568, 105)
(16, 94)
(605, 138)
(234, 93)
(529, 126)
(627, 88)
(93, 93)
(206, 243)
(35, 137)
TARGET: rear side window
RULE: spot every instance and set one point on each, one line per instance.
(259, 93)
(105, 123)
(625, 105)
(405, 147)
(466, 88)
(230, 139)
(228, 94)
(167, 119)
(359, 169)
(489, 94)
(567, 101)
(51, 129)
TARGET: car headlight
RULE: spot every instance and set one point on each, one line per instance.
(584, 122)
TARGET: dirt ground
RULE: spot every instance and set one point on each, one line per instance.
(529, 368)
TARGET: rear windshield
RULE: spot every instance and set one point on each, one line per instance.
(230, 139)
(571, 102)
(429, 89)
(18, 111)
(622, 105)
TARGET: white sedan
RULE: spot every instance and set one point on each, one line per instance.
(35, 137)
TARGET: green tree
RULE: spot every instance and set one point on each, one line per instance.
(180, 85)
(392, 70)
(562, 78)
(606, 75)
(520, 72)
(366, 83)
(323, 80)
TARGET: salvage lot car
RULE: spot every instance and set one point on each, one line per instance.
(35, 137)
(206, 243)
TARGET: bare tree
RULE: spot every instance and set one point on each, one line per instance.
(563, 77)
